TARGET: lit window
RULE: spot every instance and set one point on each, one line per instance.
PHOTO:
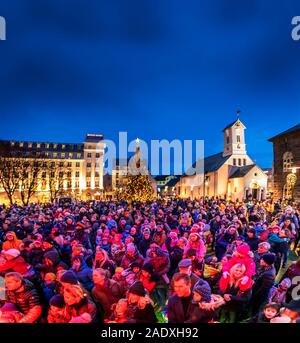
(96, 184)
(47, 146)
(38, 145)
(29, 145)
(63, 146)
(21, 144)
(77, 164)
(88, 184)
(77, 174)
(55, 146)
(78, 155)
(63, 155)
(55, 155)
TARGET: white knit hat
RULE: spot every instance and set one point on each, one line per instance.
(12, 252)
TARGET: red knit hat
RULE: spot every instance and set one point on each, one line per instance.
(276, 227)
(243, 249)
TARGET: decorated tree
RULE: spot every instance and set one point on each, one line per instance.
(138, 188)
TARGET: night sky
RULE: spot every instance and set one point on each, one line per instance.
(159, 69)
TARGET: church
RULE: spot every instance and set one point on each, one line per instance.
(230, 174)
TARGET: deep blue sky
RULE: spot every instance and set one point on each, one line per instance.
(157, 69)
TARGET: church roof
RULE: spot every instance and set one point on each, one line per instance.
(242, 171)
(292, 129)
(233, 123)
(213, 162)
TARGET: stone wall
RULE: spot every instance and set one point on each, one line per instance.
(282, 144)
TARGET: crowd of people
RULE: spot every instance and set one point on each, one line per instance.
(175, 261)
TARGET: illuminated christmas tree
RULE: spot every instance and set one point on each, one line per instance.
(138, 187)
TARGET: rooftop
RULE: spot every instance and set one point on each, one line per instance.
(291, 130)
(242, 171)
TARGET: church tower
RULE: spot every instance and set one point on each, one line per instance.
(234, 139)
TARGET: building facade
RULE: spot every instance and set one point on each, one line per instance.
(76, 169)
(286, 164)
(229, 174)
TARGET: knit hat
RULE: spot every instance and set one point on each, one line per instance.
(268, 258)
(185, 263)
(148, 268)
(241, 238)
(293, 305)
(12, 252)
(69, 277)
(134, 265)
(137, 288)
(243, 249)
(202, 287)
(57, 301)
(276, 227)
(285, 283)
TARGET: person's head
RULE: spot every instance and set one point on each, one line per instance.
(242, 251)
(47, 244)
(147, 270)
(10, 236)
(73, 294)
(133, 231)
(225, 259)
(289, 210)
(232, 230)
(135, 292)
(118, 272)
(240, 240)
(251, 233)
(131, 249)
(121, 308)
(237, 271)
(181, 243)
(263, 247)
(135, 267)
(185, 266)
(276, 229)
(182, 284)
(57, 305)
(201, 292)
(285, 284)
(194, 237)
(271, 310)
(13, 281)
(76, 263)
(49, 277)
(100, 276)
(292, 310)
(77, 250)
(267, 260)
(100, 254)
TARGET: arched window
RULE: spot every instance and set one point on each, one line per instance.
(288, 160)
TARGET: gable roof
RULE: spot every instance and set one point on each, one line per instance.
(292, 129)
(242, 171)
(233, 123)
(213, 162)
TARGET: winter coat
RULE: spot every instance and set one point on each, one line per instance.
(206, 312)
(17, 264)
(107, 295)
(252, 242)
(176, 312)
(27, 301)
(161, 263)
(175, 258)
(85, 306)
(84, 275)
(127, 260)
(146, 315)
(263, 284)
(199, 246)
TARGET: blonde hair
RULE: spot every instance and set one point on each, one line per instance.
(75, 291)
(233, 281)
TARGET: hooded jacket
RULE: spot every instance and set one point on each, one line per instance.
(127, 259)
(161, 262)
(17, 264)
(84, 275)
(13, 244)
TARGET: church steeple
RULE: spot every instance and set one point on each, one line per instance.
(234, 138)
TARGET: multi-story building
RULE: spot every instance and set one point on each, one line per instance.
(78, 167)
(286, 164)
